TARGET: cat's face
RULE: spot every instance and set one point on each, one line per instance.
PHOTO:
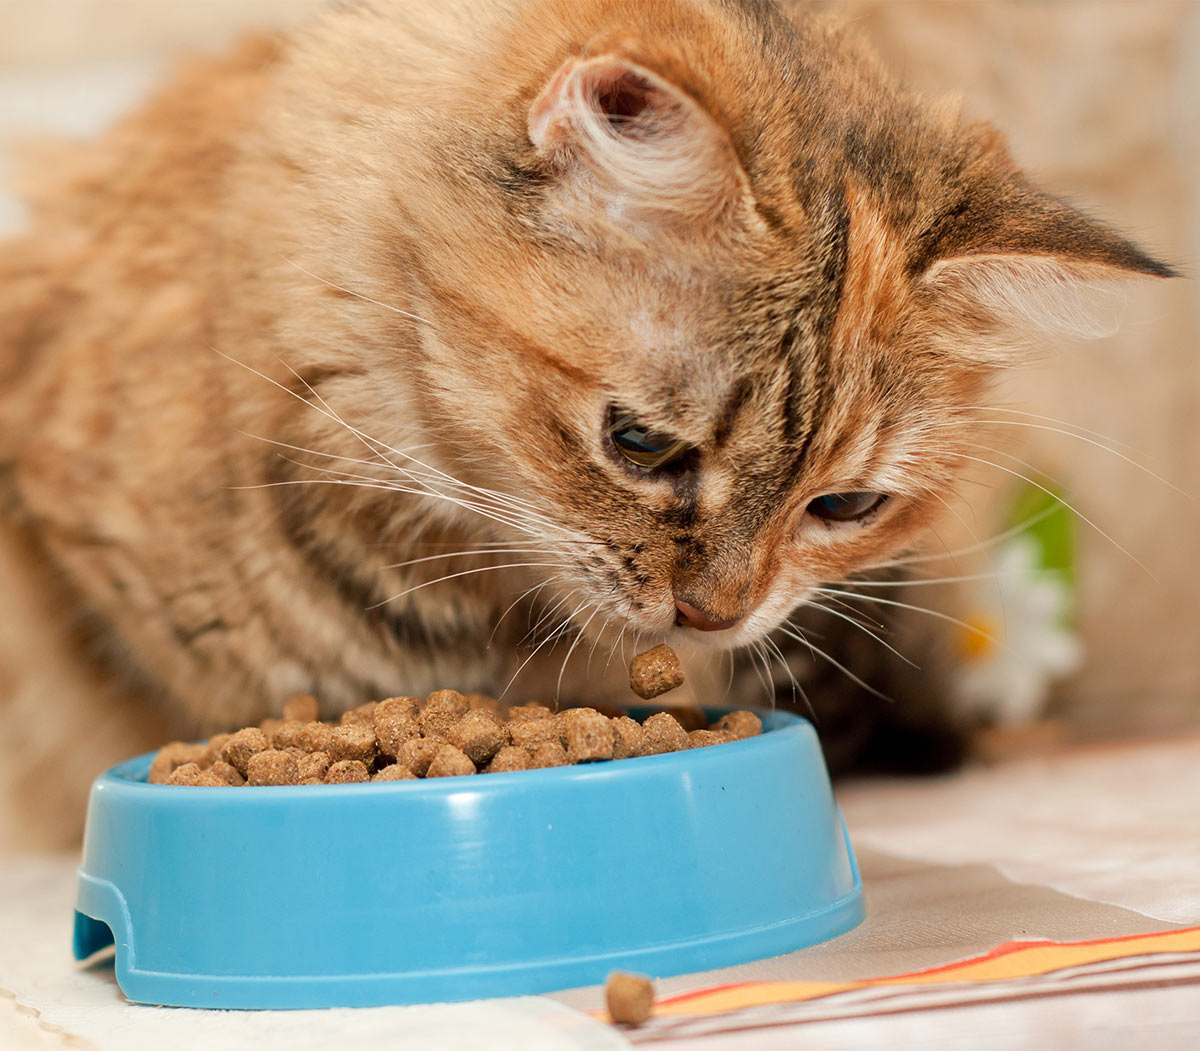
(708, 299)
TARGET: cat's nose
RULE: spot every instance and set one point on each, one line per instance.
(688, 616)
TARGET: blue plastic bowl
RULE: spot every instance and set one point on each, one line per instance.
(465, 887)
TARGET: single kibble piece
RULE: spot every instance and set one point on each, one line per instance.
(478, 735)
(288, 734)
(269, 726)
(300, 709)
(741, 724)
(690, 717)
(546, 755)
(397, 708)
(655, 672)
(589, 735)
(418, 753)
(187, 774)
(630, 997)
(532, 732)
(313, 764)
(315, 737)
(450, 762)
(520, 713)
(272, 767)
(509, 759)
(242, 745)
(363, 715)
(395, 772)
(443, 708)
(663, 734)
(703, 738)
(226, 773)
(172, 756)
(629, 739)
(353, 741)
(347, 772)
(393, 729)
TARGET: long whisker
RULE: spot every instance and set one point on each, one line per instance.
(794, 633)
(1054, 496)
(938, 614)
(357, 295)
(851, 620)
(1099, 445)
(467, 573)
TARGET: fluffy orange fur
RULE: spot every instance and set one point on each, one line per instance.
(340, 314)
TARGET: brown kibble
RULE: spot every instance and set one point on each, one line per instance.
(589, 735)
(508, 759)
(663, 734)
(315, 737)
(185, 774)
(547, 754)
(362, 715)
(272, 767)
(450, 762)
(629, 739)
(226, 773)
(655, 672)
(741, 724)
(704, 738)
(314, 764)
(478, 735)
(532, 732)
(418, 753)
(392, 731)
(484, 702)
(353, 741)
(242, 745)
(347, 772)
(395, 772)
(443, 708)
(520, 713)
(301, 708)
(212, 751)
(689, 717)
(397, 708)
(629, 997)
(172, 756)
(288, 734)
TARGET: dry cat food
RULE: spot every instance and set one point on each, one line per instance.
(629, 997)
(654, 672)
(447, 734)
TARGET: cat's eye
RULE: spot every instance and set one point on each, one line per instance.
(645, 447)
(845, 507)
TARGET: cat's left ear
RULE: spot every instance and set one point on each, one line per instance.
(630, 145)
(1010, 259)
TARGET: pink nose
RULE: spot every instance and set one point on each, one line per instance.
(688, 616)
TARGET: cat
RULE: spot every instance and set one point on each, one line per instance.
(477, 343)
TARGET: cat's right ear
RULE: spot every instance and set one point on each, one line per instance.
(632, 147)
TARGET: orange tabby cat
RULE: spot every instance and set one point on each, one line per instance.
(636, 320)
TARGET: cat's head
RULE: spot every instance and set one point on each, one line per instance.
(710, 299)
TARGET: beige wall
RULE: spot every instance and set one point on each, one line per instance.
(1102, 102)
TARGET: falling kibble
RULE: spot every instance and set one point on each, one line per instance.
(655, 672)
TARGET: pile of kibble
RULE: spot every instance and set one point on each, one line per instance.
(447, 734)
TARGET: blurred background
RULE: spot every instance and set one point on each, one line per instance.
(1101, 103)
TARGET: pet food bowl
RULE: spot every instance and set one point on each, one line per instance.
(465, 887)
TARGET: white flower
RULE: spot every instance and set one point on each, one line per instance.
(1018, 641)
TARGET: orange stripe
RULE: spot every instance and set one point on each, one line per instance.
(1008, 960)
